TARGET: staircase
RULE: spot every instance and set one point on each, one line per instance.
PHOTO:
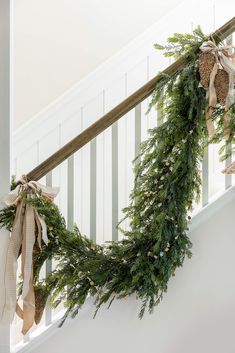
(96, 165)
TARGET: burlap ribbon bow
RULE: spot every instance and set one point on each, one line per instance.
(224, 60)
(28, 227)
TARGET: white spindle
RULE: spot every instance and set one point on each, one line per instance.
(93, 190)
(115, 188)
(137, 129)
(205, 178)
(70, 192)
(48, 312)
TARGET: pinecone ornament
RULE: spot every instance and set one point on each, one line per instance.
(40, 295)
(40, 303)
(221, 85)
(207, 61)
(206, 64)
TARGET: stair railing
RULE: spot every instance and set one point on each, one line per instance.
(115, 114)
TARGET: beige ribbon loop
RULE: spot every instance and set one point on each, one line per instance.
(13, 197)
(224, 60)
(28, 225)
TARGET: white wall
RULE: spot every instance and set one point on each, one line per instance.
(58, 42)
(196, 315)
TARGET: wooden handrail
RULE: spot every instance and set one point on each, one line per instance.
(116, 113)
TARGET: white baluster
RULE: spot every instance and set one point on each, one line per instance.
(137, 129)
(115, 189)
(70, 192)
(93, 190)
(48, 311)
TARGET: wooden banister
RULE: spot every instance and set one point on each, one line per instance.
(116, 113)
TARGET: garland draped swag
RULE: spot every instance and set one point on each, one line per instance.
(197, 107)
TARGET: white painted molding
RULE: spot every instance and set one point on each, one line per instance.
(37, 338)
(43, 334)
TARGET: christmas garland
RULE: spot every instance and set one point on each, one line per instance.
(167, 180)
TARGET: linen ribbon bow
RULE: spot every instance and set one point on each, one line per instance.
(28, 226)
(224, 60)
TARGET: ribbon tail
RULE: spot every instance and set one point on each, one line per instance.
(28, 308)
(19, 311)
(27, 269)
(209, 122)
(11, 265)
(42, 225)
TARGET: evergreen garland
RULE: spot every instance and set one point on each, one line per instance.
(167, 180)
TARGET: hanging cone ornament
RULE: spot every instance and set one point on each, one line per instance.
(221, 86)
(206, 64)
(217, 74)
(40, 303)
(39, 292)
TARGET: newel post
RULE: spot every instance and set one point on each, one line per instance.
(5, 143)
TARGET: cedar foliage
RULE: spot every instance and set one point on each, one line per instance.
(167, 180)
